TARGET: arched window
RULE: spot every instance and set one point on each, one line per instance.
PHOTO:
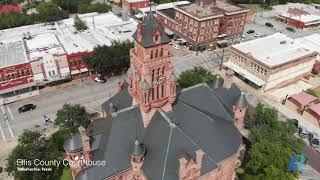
(161, 52)
(151, 55)
(156, 55)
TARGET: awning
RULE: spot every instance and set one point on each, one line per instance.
(244, 73)
(221, 35)
(84, 70)
(168, 32)
(75, 72)
(303, 98)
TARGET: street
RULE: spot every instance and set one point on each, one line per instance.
(89, 94)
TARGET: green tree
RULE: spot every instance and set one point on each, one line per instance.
(31, 146)
(79, 24)
(268, 161)
(195, 76)
(50, 12)
(264, 115)
(110, 59)
(71, 117)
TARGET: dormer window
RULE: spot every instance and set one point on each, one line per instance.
(157, 38)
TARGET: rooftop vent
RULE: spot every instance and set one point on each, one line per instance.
(283, 42)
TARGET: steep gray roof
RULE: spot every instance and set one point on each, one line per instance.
(148, 26)
(241, 101)
(138, 148)
(74, 143)
(198, 120)
(119, 101)
(217, 83)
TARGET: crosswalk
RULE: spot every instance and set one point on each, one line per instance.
(6, 131)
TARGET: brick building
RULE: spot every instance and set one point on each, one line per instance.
(300, 18)
(282, 60)
(16, 76)
(47, 58)
(134, 4)
(154, 131)
(200, 23)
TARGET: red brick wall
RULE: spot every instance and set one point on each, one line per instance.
(233, 25)
(293, 22)
(194, 31)
(75, 63)
(15, 75)
(134, 5)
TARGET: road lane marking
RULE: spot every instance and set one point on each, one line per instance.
(7, 121)
(2, 133)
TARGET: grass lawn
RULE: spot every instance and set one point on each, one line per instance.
(317, 91)
(66, 175)
(314, 92)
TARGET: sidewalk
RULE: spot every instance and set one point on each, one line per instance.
(256, 96)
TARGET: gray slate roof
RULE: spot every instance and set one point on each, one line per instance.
(74, 143)
(148, 26)
(198, 120)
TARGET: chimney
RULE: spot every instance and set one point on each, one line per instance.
(228, 79)
(190, 167)
(120, 86)
(85, 143)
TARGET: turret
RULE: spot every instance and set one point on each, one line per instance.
(172, 87)
(239, 109)
(145, 96)
(228, 79)
(137, 157)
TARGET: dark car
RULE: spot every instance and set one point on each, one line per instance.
(294, 122)
(290, 29)
(303, 132)
(250, 31)
(269, 24)
(27, 107)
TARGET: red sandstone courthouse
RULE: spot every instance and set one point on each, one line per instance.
(156, 131)
(200, 23)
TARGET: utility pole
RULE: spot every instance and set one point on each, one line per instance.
(221, 62)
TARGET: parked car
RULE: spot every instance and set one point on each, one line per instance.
(258, 35)
(294, 122)
(250, 31)
(175, 46)
(290, 29)
(27, 107)
(303, 132)
(314, 141)
(100, 79)
(269, 24)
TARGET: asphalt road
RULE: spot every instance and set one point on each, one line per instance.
(314, 157)
(89, 94)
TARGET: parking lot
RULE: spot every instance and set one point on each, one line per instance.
(89, 94)
(259, 20)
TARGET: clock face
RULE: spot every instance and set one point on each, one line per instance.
(159, 79)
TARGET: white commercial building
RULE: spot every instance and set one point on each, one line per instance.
(47, 58)
(273, 61)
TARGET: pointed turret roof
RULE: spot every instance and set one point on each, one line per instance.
(217, 83)
(173, 77)
(241, 101)
(112, 108)
(148, 27)
(138, 149)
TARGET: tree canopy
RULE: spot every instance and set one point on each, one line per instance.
(82, 6)
(195, 76)
(273, 142)
(110, 59)
(79, 24)
(33, 145)
(71, 117)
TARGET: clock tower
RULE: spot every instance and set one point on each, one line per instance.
(152, 83)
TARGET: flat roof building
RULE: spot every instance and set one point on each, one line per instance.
(16, 77)
(280, 61)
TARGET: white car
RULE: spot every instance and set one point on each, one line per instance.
(175, 46)
(100, 80)
(258, 35)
